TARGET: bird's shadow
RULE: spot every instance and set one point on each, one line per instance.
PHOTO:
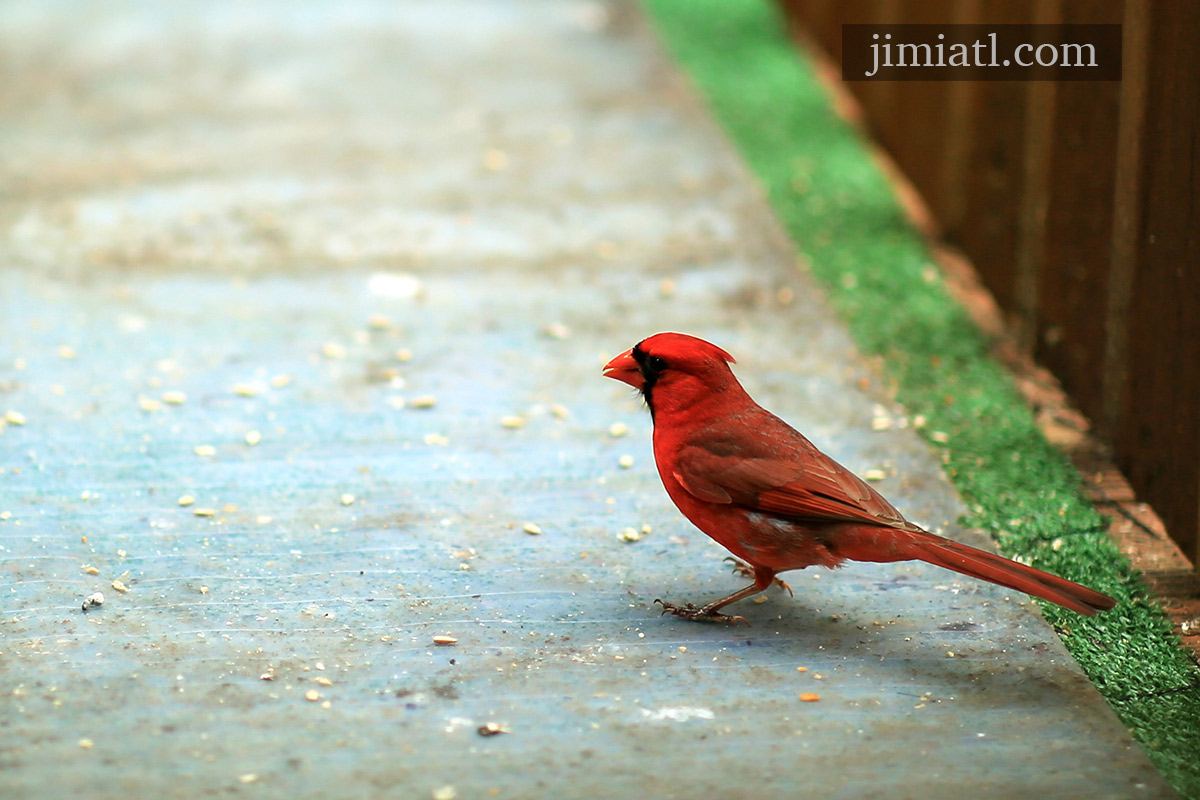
(970, 650)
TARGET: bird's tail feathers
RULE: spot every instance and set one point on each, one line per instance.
(967, 560)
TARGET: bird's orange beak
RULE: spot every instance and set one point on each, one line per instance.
(625, 369)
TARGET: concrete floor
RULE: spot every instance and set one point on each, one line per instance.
(305, 217)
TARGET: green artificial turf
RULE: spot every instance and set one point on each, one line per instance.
(844, 218)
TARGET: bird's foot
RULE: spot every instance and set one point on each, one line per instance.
(746, 571)
(705, 614)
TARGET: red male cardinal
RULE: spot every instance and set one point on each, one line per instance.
(763, 491)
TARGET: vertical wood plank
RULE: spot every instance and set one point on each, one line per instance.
(989, 233)
(1040, 108)
(1158, 434)
(1072, 285)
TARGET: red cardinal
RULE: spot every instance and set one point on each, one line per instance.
(763, 491)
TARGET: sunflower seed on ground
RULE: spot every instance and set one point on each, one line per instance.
(533, 528)
(491, 729)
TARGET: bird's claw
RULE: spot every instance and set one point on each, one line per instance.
(746, 571)
(706, 614)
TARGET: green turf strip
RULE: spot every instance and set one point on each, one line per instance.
(844, 218)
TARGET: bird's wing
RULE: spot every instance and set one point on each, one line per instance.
(800, 482)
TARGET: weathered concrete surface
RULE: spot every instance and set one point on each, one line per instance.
(200, 196)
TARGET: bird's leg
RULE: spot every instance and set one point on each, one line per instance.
(746, 571)
(762, 579)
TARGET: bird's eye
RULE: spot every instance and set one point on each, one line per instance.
(656, 363)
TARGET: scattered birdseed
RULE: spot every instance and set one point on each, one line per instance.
(396, 402)
(66, 351)
(379, 322)
(203, 590)
(312, 695)
(92, 600)
(513, 421)
(174, 398)
(186, 500)
(423, 401)
(403, 354)
(5, 515)
(494, 160)
(91, 571)
(396, 284)
(875, 474)
(618, 429)
(762, 598)
(322, 680)
(280, 381)
(801, 669)
(86, 744)
(625, 461)
(557, 330)
(919, 421)
(940, 437)
(249, 777)
(205, 512)
(881, 423)
(347, 499)
(148, 404)
(205, 450)
(119, 586)
(333, 350)
(809, 697)
(14, 418)
(533, 528)
(1057, 544)
(491, 729)
(436, 439)
(630, 535)
(560, 411)
(267, 676)
(245, 390)
(445, 640)
(666, 288)
(445, 793)
(253, 438)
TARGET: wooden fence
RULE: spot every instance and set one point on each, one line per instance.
(1079, 205)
